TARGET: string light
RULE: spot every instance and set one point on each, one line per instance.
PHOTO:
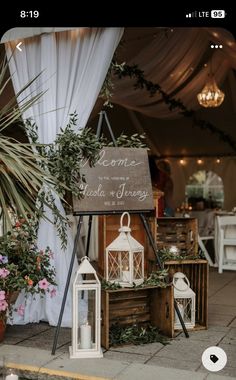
(218, 160)
(200, 161)
(182, 161)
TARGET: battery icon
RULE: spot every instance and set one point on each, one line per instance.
(218, 13)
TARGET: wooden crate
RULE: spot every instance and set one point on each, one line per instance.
(197, 272)
(150, 305)
(180, 232)
(108, 226)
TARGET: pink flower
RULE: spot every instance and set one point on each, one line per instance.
(43, 284)
(3, 305)
(2, 295)
(21, 310)
(53, 292)
(4, 272)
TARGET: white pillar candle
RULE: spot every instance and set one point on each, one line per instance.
(12, 376)
(181, 310)
(85, 336)
(126, 275)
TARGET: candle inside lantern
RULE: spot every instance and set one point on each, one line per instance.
(181, 310)
(126, 274)
(85, 336)
(12, 376)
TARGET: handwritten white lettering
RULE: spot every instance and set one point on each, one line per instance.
(125, 162)
(92, 192)
(122, 192)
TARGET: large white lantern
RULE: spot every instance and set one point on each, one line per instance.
(125, 258)
(86, 318)
(185, 299)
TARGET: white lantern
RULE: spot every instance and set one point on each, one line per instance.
(185, 299)
(125, 258)
(86, 318)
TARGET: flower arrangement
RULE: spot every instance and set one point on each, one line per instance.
(23, 266)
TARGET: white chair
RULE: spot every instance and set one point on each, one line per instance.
(226, 242)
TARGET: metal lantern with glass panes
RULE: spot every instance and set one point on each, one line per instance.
(185, 299)
(125, 258)
(86, 318)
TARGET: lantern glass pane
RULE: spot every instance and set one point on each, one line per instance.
(138, 259)
(185, 308)
(86, 319)
(118, 266)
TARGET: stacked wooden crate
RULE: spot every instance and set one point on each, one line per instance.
(153, 305)
(126, 307)
(197, 272)
(180, 232)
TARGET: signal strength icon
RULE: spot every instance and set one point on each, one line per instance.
(192, 14)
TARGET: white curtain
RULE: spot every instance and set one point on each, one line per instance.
(73, 65)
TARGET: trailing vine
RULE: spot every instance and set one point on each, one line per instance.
(134, 72)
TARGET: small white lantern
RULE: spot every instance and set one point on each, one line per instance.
(86, 318)
(185, 299)
(125, 258)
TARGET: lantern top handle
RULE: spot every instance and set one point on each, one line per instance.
(85, 258)
(122, 227)
(122, 217)
(181, 281)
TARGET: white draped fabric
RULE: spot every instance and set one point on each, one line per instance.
(73, 65)
(174, 59)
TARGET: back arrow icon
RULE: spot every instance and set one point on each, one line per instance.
(18, 46)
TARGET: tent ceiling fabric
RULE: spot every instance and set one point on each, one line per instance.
(173, 58)
(176, 60)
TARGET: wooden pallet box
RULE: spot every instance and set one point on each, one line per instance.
(180, 232)
(197, 271)
(149, 305)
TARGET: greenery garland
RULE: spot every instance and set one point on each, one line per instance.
(157, 278)
(135, 334)
(165, 254)
(134, 72)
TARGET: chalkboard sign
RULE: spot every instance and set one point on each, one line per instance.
(119, 181)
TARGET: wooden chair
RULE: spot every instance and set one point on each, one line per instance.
(226, 239)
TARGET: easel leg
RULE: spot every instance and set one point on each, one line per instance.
(87, 247)
(154, 247)
(89, 234)
(67, 285)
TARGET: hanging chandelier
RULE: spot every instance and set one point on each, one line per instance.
(211, 95)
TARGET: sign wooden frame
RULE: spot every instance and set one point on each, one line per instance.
(119, 181)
